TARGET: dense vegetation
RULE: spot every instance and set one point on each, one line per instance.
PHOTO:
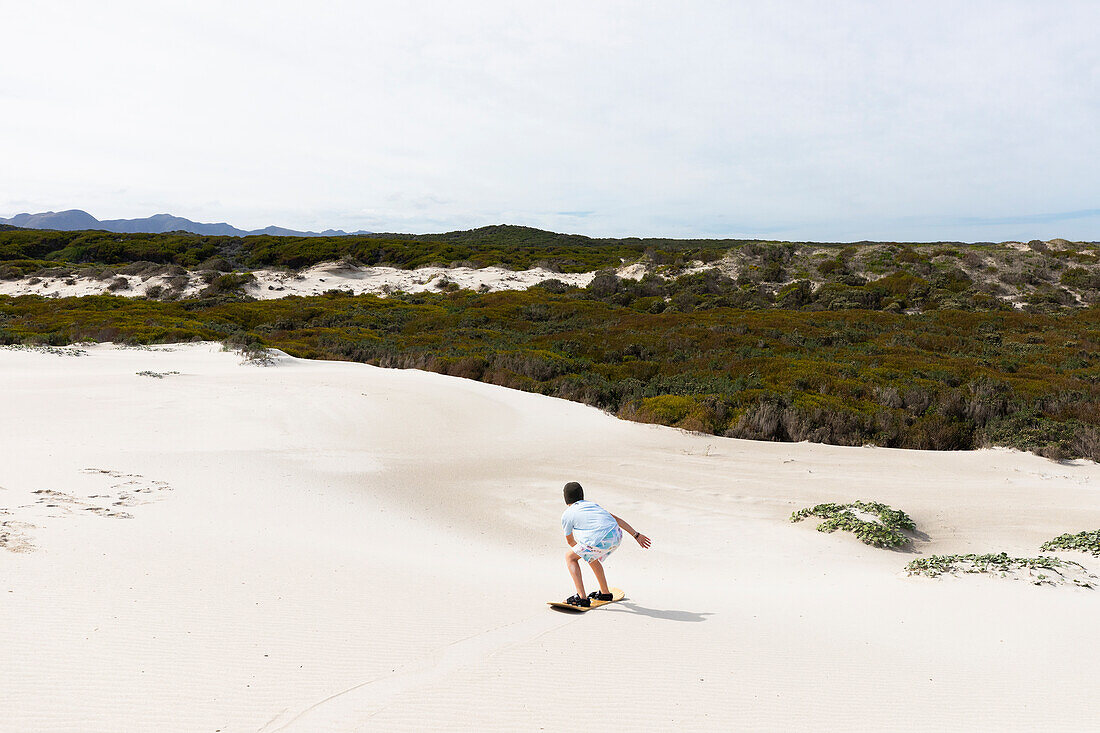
(509, 246)
(938, 380)
(894, 277)
(940, 346)
(888, 531)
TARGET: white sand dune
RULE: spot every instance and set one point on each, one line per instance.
(271, 284)
(319, 546)
(315, 280)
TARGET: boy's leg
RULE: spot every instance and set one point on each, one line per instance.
(597, 570)
(572, 562)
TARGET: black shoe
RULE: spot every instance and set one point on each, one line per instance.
(597, 596)
(578, 601)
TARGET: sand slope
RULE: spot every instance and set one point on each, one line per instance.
(328, 546)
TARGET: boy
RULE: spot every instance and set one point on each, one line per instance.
(593, 533)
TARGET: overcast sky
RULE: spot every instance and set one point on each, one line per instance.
(790, 120)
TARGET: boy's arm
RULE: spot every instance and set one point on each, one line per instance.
(641, 538)
(570, 540)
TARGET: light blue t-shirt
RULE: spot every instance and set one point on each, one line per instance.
(587, 521)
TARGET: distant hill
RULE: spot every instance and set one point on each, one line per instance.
(75, 219)
(62, 220)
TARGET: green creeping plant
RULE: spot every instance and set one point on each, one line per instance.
(887, 532)
(1082, 541)
(936, 565)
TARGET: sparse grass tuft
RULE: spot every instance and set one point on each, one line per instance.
(251, 349)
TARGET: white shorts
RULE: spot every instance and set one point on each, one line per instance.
(601, 548)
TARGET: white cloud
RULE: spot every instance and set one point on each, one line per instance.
(797, 119)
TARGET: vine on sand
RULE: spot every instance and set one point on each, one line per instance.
(1082, 541)
(1000, 563)
(886, 532)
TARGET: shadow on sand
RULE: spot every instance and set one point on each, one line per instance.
(628, 606)
(917, 540)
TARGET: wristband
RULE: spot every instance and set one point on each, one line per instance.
(636, 535)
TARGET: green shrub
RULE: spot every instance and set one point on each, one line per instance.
(1079, 277)
(665, 409)
(901, 284)
(231, 283)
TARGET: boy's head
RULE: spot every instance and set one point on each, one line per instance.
(573, 492)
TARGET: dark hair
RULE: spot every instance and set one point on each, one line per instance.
(573, 492)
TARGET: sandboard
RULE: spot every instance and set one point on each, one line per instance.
(617, 594)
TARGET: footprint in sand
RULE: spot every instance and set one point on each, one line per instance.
(123, 490)
(13, 535)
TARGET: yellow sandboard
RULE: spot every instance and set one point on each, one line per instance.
(617, 594)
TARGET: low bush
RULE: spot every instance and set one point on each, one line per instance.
(1079, 277)
(665, 409)
(230, 284)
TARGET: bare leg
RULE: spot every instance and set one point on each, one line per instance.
(571, 561)
(597, 570)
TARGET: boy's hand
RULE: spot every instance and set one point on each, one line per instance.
(643, 540)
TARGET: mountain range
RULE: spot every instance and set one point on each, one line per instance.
(75, 219)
